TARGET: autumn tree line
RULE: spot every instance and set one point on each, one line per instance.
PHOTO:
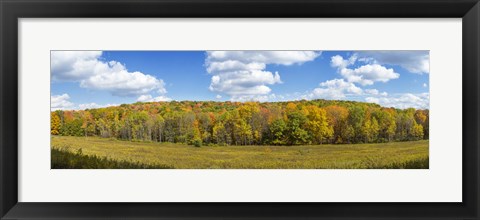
(246, 123)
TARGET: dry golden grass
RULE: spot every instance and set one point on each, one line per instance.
(412, 154)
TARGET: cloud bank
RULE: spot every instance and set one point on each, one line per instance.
(241, 74)
(91, 72)
(406, 100)
(371, 71)
(364, 75)
(62, 102)
(414, 61)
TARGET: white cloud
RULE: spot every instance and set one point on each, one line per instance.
(334, 89)
(233, 65)
(339, 89)
(339, 62)
(265, 57)
(365, 75)
(405, 100)
(241, 74)
(73, 65)
(60, 102)
(149, 98)
(250, 98)
(425, 85)
(413, 61)
(115, 78)
(373, 100)
(161, 99)
(371, 91)
(92, 73)
(368, 74)
(244, 82)
(254, 98)
(375, 92)
(144, 98)
(93, 105)
(218, 97)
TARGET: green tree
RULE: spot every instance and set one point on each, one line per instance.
(356, 119)
(296, 133)
(278, 129)
(249, 123)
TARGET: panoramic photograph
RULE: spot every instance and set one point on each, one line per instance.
(239, 109)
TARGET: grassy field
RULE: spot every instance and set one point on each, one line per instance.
(101, 153)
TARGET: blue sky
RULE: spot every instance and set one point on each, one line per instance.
(92, 79)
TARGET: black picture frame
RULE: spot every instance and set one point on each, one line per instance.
(12, 10)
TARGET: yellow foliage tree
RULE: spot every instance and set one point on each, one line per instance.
(54, 123)
(318, 125)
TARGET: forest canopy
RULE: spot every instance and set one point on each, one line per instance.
(246, 123)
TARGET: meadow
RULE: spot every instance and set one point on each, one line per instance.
(108, 153)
